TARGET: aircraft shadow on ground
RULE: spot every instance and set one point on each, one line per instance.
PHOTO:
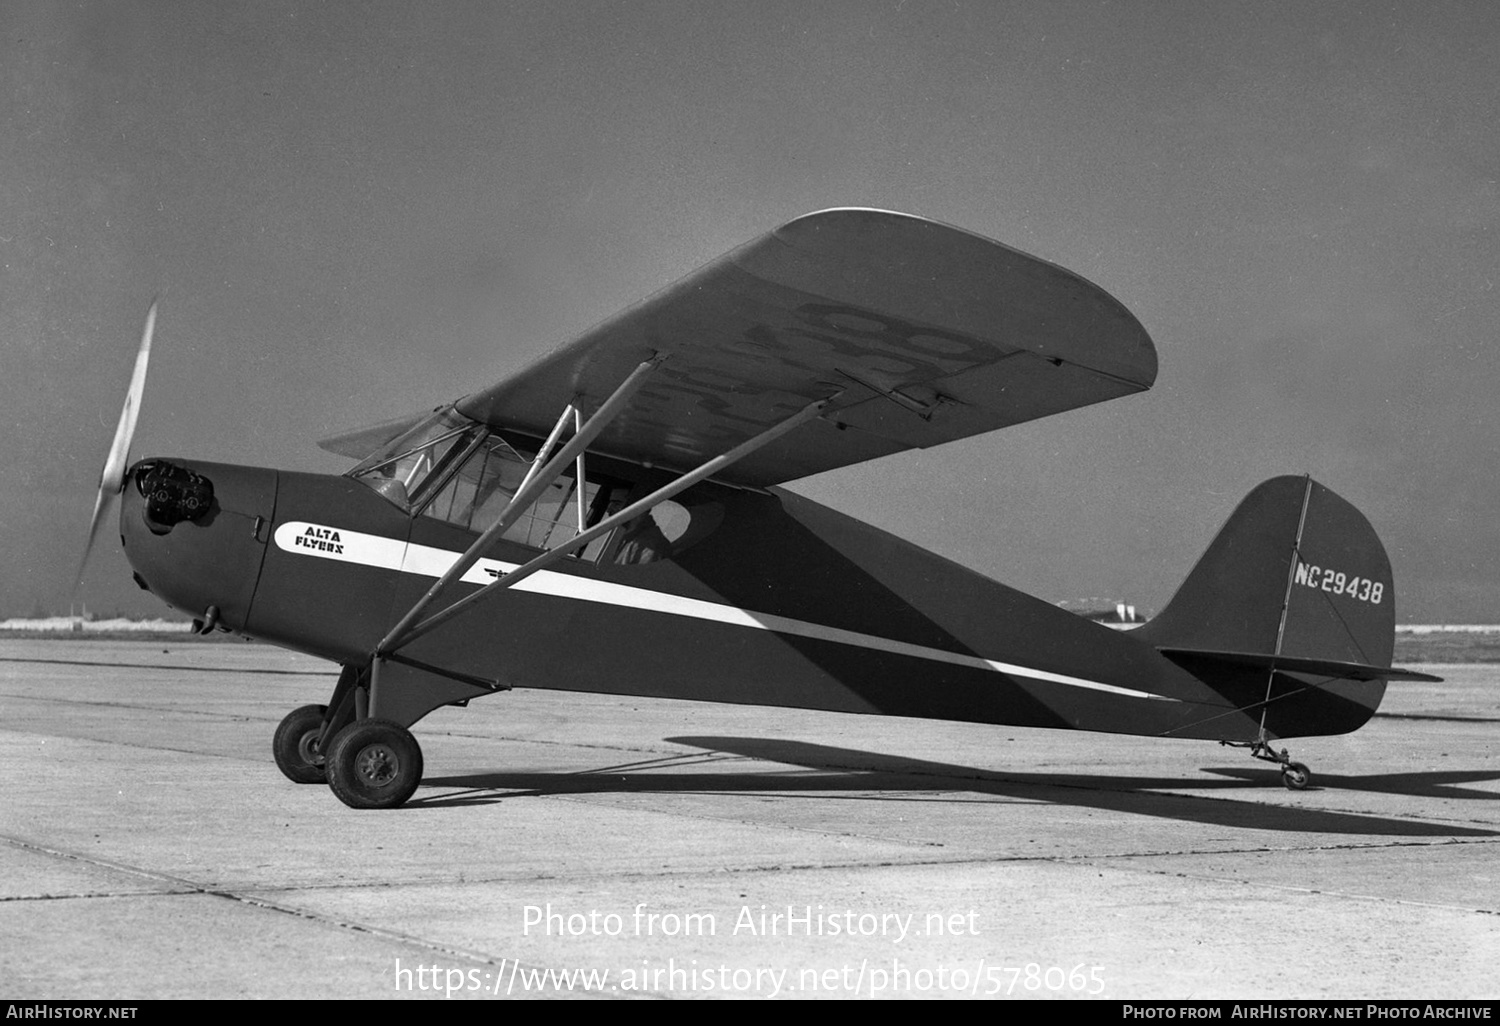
(1418, 785)
(826, 771)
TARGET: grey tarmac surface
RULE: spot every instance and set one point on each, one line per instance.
(149, 848)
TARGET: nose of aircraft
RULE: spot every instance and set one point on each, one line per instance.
(196, 533)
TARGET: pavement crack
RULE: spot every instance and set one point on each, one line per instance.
(185, 887)
(94, 894)
(1084, 860)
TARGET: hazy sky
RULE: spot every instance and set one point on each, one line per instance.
(358, 210)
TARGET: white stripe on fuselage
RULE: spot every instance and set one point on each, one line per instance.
(372, 550)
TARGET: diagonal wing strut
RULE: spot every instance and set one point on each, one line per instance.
(409, 628)
(535, 483)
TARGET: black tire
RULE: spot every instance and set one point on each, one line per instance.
(1295, 776)
(374, 764)
(293, 745)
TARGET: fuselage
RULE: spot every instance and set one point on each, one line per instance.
(767, 598)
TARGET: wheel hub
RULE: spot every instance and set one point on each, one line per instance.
(307, 748)
(377, 765)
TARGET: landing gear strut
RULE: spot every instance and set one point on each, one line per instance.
(1294, 775)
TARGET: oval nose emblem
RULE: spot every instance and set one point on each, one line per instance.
(173, 494)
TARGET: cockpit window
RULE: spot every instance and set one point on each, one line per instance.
(404, 469)
(666, 530)
(478, 492)
(453, 469)
(475, 496)
(649, 537)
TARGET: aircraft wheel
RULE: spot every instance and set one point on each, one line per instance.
(1295, 776)
(293, 745)
(374, 764)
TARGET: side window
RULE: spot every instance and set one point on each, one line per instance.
(452, 470)
(666, 530)
(476, 495)
(551, 520)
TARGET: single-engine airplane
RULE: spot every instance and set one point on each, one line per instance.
(608, 517)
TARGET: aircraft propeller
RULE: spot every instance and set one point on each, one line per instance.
(112, 479)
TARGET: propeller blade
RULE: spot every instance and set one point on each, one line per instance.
(112, 480)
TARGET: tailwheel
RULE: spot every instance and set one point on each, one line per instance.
(295, 745)
(1295, 776)
(374, 764)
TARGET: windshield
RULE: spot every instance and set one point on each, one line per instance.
(405, 469)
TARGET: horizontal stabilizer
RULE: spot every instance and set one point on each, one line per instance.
(1293, 664)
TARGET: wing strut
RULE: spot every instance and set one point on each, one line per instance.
(405, 633)
(578, 474)
(536, 482)
(539, 460)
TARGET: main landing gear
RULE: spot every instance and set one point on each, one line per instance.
(1294, 775)
(370, 764)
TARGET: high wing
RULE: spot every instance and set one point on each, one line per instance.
(924, 333)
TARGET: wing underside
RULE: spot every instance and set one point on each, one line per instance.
(923, 332)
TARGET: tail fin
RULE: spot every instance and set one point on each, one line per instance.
(1295, 582)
